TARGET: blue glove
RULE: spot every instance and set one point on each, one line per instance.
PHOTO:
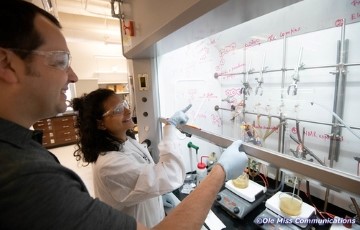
(180, 118)
(233, 161)
(168, 201)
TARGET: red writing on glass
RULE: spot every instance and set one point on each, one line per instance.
(224, 76)
(233, 92)
(271, 38)
(265, 127)
(289, 32)
(253, 42)
(223, 52)
(204, 52)
(237, 66)
(355, 16)
(227, 49)
(313, 134)
(216, 120)
(307, 133)
(201, 116)
(192, 94)
(355, 2)
(208, 96)
(339, 22)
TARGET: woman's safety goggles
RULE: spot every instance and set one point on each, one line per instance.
(58, 59)
(118, 109)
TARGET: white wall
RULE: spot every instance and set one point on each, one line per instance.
(95, 46)
(92, 57)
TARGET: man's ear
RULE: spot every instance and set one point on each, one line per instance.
(7, 73)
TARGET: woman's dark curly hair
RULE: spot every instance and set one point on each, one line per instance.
(93, 141)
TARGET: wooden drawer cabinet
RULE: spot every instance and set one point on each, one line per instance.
(57, 131)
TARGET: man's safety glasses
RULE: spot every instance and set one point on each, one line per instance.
(118, 109)
(57, 59)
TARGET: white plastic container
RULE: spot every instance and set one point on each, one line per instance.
(201, 171)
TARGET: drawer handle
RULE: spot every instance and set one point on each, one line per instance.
(66, 126)
(68, 139)
(67, 133)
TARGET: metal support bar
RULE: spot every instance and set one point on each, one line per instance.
(216, 108)
(301, 120)
(291, 69)
(281, 137)
(339, 95)
(327, 176)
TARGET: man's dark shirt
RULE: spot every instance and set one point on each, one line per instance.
(37, 192)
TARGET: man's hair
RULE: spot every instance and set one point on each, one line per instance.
(17, 28)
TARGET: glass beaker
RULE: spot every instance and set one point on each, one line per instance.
(242, 181)
(290, 203)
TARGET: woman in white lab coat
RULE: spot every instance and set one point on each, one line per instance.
(125, 175)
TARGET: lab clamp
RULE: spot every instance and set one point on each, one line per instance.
(260, 80)
(246, 89)
(296, 75)
(190, 145)
(190, 179)
(302, 151)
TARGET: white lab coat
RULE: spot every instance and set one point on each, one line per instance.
(131, 184)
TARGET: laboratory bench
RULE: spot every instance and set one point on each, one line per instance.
(247, 222)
